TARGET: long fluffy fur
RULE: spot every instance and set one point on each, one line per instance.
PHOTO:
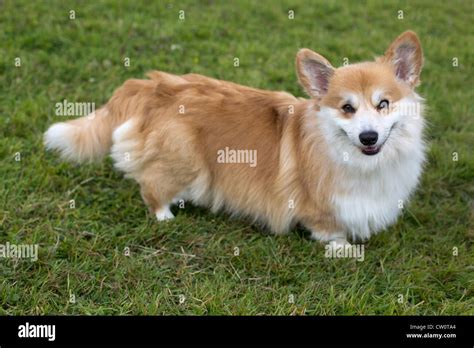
(165, 133)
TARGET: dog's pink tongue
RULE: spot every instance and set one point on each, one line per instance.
(370, 149)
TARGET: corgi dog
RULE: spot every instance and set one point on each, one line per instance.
(342, 163)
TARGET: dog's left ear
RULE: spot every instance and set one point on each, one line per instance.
(314, 72)
(406, 56)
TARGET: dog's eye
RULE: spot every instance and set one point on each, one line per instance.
(383, 105)
(348, 108)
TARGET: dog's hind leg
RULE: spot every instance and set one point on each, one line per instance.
(161, 184)
(158, 198)
(158, 185)
(325, 231)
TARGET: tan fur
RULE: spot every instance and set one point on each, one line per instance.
(169, 152)
(177, 149)
(363, 78)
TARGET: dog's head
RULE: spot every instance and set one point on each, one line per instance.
(369, 111)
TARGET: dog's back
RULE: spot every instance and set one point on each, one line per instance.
(195, 138)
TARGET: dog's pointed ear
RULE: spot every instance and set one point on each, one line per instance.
(314, 72)
(406, 57)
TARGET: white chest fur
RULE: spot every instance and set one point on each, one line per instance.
(372, 202)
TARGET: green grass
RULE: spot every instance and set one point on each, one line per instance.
(81, 250)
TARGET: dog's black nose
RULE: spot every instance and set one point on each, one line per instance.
(368, 138)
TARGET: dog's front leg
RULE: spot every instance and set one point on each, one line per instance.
(336, 238)
(325, 230)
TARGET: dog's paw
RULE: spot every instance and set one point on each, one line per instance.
(328, 237)
(164, 214)
(338, 243)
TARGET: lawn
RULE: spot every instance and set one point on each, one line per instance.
(105, 254)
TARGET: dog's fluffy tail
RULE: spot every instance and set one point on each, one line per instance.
(88, 138)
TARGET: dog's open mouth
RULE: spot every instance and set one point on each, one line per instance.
(371, 150)
(374, 149)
